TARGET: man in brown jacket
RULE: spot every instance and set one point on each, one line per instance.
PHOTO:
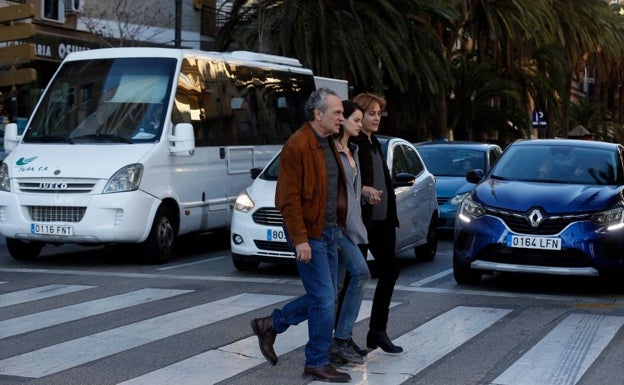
(311, 195)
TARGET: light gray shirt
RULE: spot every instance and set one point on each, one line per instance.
(355, 230)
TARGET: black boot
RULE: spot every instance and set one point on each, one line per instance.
(379, 338)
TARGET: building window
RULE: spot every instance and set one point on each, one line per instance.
(53, 10)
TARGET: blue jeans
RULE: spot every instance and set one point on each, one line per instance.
(318, 304)
(350, 259)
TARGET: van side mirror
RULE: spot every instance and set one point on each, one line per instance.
(11, 138)
(182, 142)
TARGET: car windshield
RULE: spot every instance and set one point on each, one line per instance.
(106, 100)
(451, 161)
(271, 171)
(559, 164)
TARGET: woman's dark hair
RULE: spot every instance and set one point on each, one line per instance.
(349, 108)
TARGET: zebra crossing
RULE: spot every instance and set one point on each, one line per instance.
(561, 356)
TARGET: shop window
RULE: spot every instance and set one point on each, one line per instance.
(53, 10)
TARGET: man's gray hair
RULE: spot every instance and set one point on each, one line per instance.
(317, 100)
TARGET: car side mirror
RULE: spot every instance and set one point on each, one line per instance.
(182, 142)
(474, 176)
(254, 172)
(404, 179)
(11, 137)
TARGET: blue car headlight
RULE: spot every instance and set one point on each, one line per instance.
(611, 218)
(456, 200)
(469, 209)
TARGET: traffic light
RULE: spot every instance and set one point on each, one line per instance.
(16, 53)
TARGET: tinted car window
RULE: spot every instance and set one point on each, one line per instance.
(558, 164)
(412, 160)
(399, 163)
(271, 171)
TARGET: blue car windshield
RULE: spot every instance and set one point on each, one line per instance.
(451, 161)
(559, 164)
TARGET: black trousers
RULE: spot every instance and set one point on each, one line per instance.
(381, 243)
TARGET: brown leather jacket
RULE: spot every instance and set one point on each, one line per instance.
(301, 194)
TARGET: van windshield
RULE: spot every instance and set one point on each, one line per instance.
(120, 100)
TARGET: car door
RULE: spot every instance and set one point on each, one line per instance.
(415, 201)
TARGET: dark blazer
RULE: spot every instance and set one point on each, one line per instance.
(365, 155)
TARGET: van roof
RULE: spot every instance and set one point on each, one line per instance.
(246, 57)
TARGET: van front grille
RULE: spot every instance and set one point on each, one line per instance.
(56, 186)
(56, 213)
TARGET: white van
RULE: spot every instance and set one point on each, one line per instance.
(141, 145)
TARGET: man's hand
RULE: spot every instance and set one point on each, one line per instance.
(372, 195)
(303, 252)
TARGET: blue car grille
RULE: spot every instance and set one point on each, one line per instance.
(442, 200)
(550, 225)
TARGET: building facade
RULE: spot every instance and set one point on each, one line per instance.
(65, 26)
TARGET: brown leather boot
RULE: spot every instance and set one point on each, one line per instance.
(263, 328)
(326, 373)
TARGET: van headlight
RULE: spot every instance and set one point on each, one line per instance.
(244, 203)
(128, 178)
(5, 181)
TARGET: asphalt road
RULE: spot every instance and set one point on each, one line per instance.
(96, 316)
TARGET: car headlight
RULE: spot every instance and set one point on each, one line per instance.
(611, 216)
(128, 178)
(470, 209)
(243, 203)
(5, 181)
(456, 200)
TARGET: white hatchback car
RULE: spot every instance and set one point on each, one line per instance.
(257, 234)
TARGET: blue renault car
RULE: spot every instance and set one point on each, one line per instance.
(450, 161)
(548, 206)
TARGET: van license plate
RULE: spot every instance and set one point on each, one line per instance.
(46, 229)
(531, 242)
(277, 235)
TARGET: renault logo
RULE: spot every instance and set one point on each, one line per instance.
(535, 218)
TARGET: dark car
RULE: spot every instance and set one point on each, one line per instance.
(548, 206)
(450, 161)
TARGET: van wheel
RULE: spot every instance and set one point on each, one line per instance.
(22, 250)
(464, 275)
(159, 245)
(427, 252)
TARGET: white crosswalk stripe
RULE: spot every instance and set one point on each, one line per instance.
(227, 361)
(72, 353)
(562, 356)
(60, 315)
(38, 293)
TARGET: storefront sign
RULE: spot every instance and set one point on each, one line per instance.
(53, 47)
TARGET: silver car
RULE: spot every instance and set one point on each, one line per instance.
(257, 234)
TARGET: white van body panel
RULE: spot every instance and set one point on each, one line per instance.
(58, 185)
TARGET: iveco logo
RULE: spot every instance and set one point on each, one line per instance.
(53, 186)
(535, 218)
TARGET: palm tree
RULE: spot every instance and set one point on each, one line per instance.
(484, 104)
(405, 62)
(588, 31)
